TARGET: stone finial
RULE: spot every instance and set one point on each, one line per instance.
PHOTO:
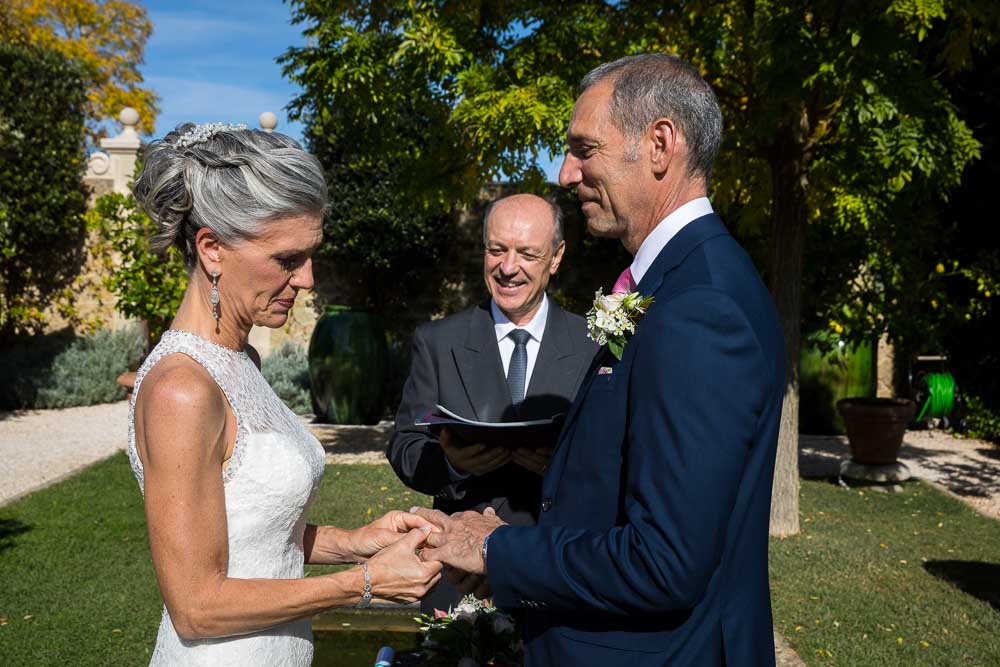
(268, 121)
(129, 118)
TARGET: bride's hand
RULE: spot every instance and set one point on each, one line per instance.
(384, 531)
(398, 574)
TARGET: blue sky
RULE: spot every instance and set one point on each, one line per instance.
(215, 61)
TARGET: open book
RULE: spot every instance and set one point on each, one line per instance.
(534, 433)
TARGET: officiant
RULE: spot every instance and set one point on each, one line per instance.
(517, 356)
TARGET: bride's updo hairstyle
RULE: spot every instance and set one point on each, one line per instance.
(231, 180)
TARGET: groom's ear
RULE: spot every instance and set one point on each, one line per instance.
(665, 142)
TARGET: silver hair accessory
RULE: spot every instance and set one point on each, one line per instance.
(199, 134)
(213, 296)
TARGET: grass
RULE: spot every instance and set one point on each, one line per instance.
(873, 579)
(888, 579)
(76, 582)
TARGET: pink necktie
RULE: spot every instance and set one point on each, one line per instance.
(624, 282)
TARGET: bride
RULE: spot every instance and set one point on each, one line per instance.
(226, 470)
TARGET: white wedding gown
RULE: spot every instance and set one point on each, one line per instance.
(269, 482)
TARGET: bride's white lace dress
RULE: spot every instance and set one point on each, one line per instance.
(269, 482)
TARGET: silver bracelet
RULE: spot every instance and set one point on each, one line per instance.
(366, 592)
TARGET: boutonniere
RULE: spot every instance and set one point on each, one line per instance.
(613, 318)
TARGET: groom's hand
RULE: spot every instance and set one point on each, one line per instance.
(477, 459)
(460, 540)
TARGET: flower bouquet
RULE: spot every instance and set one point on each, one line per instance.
(473, 634)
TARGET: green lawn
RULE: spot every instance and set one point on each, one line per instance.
(77, 588)
(863, 584)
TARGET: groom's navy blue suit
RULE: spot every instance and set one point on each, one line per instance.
(651, 548)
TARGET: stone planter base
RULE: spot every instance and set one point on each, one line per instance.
(887, 477)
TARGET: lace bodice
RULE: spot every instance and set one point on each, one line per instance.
(269, 482)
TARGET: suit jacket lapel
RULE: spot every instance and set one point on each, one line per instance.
(687, 239)
(555, 361)
(480, 368)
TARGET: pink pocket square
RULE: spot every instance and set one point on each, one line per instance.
(605, 370)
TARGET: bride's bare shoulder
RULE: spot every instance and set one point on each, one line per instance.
(180, 387)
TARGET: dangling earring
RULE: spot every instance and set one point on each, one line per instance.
(213, 296)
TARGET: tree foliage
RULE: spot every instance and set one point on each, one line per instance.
(106, 37)
(145, 285)
(841, 140)
(42, 198)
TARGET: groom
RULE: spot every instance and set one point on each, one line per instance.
(651, 547)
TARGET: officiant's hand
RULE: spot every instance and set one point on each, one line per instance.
(460, 542)
(535, 460)
(368, 540)
(477, 459)
(466, 583)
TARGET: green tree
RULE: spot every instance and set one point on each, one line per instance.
(836, 120)
(42, 198)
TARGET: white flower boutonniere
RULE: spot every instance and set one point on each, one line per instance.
(614, 316)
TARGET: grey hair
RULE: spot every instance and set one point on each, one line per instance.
(233, 183)
(557, 220)
(660, 85)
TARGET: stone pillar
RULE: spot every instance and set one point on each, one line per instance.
(112, 168)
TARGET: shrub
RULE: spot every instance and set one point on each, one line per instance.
(83, 372)
(287, 371)
(982, 422)
(145, 285)
(42, 196)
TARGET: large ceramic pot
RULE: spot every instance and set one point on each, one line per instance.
(347, 366)
(875, 427)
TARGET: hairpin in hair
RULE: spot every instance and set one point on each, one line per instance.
(199, 134)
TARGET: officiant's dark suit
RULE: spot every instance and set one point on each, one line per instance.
(457, 363)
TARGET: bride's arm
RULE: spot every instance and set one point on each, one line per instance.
(182, 440)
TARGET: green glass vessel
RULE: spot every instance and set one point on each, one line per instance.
(348, 360)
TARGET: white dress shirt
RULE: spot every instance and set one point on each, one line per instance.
(536, 328)
(665, 230)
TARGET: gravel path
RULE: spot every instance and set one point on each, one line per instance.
(39, 448)
(969, 469)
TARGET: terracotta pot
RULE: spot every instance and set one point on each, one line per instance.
(127, 380)
(875, 427)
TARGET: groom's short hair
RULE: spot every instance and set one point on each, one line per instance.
(661, 85)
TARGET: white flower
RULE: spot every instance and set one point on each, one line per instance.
(465, 612)
(609, 303)
(502, 624)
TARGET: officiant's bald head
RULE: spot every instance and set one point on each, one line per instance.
(523, 241)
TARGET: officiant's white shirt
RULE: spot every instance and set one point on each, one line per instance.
(665, 230)
(536, 328)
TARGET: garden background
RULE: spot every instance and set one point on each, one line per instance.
(859, 159)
